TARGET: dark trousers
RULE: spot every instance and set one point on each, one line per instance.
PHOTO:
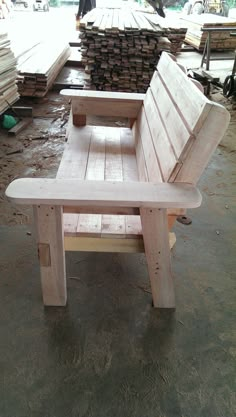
(85, 6)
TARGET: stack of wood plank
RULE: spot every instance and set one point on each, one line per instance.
(8, 87)
(220, 40)
(121, 48)
(38, 71)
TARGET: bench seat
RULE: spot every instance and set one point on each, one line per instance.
(120, 189)
(100, 153)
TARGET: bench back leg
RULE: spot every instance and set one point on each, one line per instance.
(157, 250)
(50, 240)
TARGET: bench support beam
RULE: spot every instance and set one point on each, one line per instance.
(156, 243)
(50, 240)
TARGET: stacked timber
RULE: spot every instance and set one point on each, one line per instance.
(8, 87)
(38, 71)
(120, 48)
(220, 40)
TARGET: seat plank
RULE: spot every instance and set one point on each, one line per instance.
(78, 144)
(91, 224)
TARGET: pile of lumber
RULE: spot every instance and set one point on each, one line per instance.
(8, 87)
(220, 40)
(120, 48)
(38, 70)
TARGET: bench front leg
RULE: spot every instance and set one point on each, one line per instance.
(51, 253)
(157, 250)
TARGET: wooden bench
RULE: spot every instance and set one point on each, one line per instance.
(120, 189)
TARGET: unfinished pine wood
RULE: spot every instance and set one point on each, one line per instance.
(108, 177)
(120, 48)
(156, 243)
(8, 89)
(50, 239)
(197, 38)
(37, 73)
(102, 193)
(180, 88)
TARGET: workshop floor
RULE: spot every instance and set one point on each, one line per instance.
(109, 353)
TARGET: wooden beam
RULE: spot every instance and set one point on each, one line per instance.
(50, 240)
(157, 250)
(79, 193)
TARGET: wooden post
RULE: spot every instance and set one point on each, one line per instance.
(157, 250)
(50, 240)
(79, 120)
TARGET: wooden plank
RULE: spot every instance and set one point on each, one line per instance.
(162, 145)
(177, 131)
(74, 164)
(213, 130)
(50, 239)
(103, 245)
(21, 125)
(106, 107)
(180, 88)
(128, 155)
(156, 243)
(141, 163)
(91, 224)
(102, 210)
(153, 169)
(113, 172)
(102, 193)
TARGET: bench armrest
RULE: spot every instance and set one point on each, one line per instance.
(37, 191)
(104, 103)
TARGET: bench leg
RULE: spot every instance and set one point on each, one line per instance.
(79, 120)
(157, 250)
(50, 240)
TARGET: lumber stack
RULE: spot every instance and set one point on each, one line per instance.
(121, 47)
(8, 87)
(219, 40)
(37, 73)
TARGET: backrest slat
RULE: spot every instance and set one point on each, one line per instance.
(185, 95)
(177, 128)
(164, 150)
(152, 165)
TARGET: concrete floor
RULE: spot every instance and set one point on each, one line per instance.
(109, 353)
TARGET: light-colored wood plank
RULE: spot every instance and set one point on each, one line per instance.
(105, 107)
(156, 243)
(141, 163)
(162, 145)
(176, 129)
(181, 88)
(102, 210)
(62, 192)
(103, 245)
(152, 166)
(50, 240)
(91, 224)
(74, 164)
(213, 130)
(128, 156)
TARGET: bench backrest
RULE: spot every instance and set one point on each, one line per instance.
(177, 128)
